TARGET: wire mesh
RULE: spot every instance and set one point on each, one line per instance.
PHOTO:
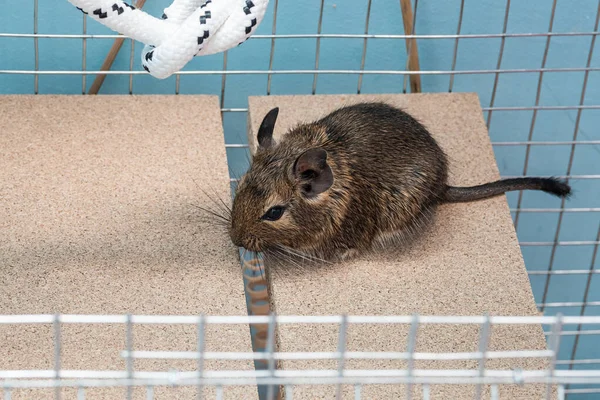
(554, 375)
(549, 269)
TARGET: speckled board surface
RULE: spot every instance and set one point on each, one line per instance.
(468, 264)
(99, 214)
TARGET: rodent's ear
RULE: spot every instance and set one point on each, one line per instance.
(313, 173)
(265, 132)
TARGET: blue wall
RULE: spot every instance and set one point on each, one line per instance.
(348, 16)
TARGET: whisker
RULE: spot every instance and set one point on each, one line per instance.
(287, 259)
(222, 206)
(213, 213)
(226, 208)
(308, 257)
(222, 218)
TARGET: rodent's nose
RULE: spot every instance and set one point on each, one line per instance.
(236, 239)
(245, 242)
(242, 238)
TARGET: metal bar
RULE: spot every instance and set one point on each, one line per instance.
(329, 377)
(580, 142)
(498, 65)
(547, 210)
(571, 158)
(219, 392)
(341, 348)
(223, 82)
(272, 52)
(410, 347)
(129, 346)
(84, 55)
(527, 108)
(200, 328)
(131, 54)
(318, 48)
(234, 110)
(572, 333)
(570, 304)
(426, 392)
(364, 51)
(560, 176)
(310, 72)
(81, 393)
(149, 392)
(357, 392)
(271, 350)
(565, 272)
(484, 339)
(458, 28)
(583, 391)
(409, 44)
(57, 353)
(555, 346)
(325, 36)
(347, 355)
(586, 294)
(494, 392)
(35, 46)
(289, 392)
(563, 143)
(520, 176)
(566, 243)
(572, 362)
(534, 116)
(303, 377)
(18, 319)
(561, 392)
(7, 394)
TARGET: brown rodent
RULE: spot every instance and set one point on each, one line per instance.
(364, 175)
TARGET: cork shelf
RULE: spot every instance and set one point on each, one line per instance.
(100, 214)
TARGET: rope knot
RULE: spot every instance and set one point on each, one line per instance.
(187, 28)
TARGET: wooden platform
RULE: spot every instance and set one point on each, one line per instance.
(99, 214)
(469, 264)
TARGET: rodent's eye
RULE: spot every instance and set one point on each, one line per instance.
(273, 213)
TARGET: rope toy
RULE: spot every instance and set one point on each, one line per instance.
(188, 28)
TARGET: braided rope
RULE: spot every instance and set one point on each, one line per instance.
(188, 28)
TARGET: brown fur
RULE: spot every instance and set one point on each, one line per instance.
(389, 174)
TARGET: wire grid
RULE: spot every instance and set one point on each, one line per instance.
(553, 376)
(552, 271)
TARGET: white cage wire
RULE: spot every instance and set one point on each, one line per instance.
(555, 377)
(569, 374)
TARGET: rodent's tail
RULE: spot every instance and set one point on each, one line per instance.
(463, 194)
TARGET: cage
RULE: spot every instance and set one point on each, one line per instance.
(515, 55)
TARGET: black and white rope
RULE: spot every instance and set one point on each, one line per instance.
(188, 28)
